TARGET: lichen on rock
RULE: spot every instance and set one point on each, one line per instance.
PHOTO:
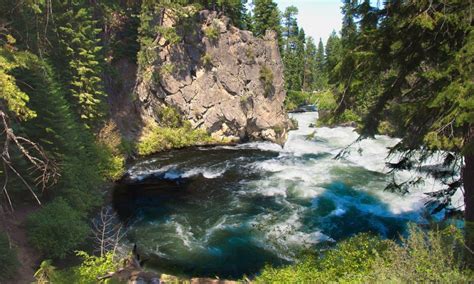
(213, 77)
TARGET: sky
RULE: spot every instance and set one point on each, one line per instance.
(318, 18)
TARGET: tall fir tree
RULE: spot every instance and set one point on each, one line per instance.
(333, 52)
(289, 28)
(266, 17)
(310, 66)
(79, 42)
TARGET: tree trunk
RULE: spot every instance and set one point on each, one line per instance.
(468, 182)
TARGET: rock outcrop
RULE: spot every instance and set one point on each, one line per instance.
(220, 78)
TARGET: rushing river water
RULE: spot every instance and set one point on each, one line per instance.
(228, 211)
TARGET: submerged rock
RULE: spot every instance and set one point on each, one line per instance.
(220, 78)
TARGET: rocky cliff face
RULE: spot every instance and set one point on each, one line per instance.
(220, 78)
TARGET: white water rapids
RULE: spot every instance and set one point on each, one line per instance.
(228, 210)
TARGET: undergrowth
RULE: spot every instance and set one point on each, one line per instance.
(433, 256)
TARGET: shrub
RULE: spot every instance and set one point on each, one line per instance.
(167, 69)
(386, 128)
(294, 99)
(434, 256)
(326, 100)
(169, 117)
(156, 138)
(56, 229)
(212, 32)
(112, 166)
(87, 272)
(93, 267)
(266, 76)
(206, 59)
(169, 34)
(8, 258)
(350, 260)
(45, 273)
(111, 151)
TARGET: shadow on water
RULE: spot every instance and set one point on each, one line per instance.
(191, 225)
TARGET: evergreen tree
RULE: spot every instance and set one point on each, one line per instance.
(80, 48)
(349, 27)
(321, 76)
(290, 28)
(266, 17)
(320, 56)
(333, 52)
(412, 66)
(310, 66)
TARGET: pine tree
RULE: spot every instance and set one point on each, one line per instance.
(266, 17)
(80, 48)
(310, 66)
(290, 28)
(333, 52)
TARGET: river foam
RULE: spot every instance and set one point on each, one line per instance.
(228, 210)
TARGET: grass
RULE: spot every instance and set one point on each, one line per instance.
(433, 256)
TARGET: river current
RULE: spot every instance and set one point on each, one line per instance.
(227, 211)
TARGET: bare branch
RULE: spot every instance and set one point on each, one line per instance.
(43, 170)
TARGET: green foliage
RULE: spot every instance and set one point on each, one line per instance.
(112, 152)
(418, 79)
(167, 69)
(80, 48)
(266, 77)
(171, 132)
(93, 267)
(157, 138)
(294, 99)
(212, 32)
(87, 272)
(14, 98)
(350, 260)
(266, 17)
(206, 59)
(56, 229)
(8, 258)
(326, 101)
(333, 52)
(432, 256)
(62, 136)
(169, 34)
(45, 273)
(169, 117)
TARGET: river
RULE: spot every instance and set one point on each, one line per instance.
(227, 211)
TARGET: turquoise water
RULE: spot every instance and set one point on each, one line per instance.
(228, 211)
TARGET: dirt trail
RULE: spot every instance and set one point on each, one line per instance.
(29, 258)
